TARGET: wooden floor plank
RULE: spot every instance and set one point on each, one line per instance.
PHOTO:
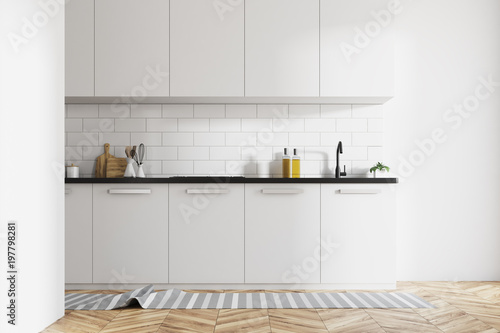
(401, 320)
(189, 321)
(136, 320)
(243, 320)
(296, 320)
(349, 321)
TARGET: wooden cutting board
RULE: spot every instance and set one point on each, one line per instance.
(100, 167)
(115, 167)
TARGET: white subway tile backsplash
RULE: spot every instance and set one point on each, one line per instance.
(332, 139)
(91, 153)
(193, 125)
(73, 125)
(241, 111)
(130, 125)
(335, 111)
(162, 125)
(256, 125)
(151, 168)
(161, 153)
(178, 167)
(178, 110)
(241, 139)
(73, 153)
(256, 153)
(82, 111)
(376, 125)
(99, 125)
(375, 154)
(320, 125)
(272, 111)
(145, 110)
(362, 167)
(209, 111)
(189, 139)
(209, 139)
(304, 111)
(193, 153)
(288, 125)
(367, 111)
(177, 139)
(82, 139)
(115, 139)
(209, 167)
(114, 110)
(304, 139)
(352, 125)
(225, 125)
(241, 168)
(225, 153)
(270, 139)
(148, 139)
(367, 139)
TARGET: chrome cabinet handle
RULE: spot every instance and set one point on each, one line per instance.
(282, 191)
(129, 191)
(360, 191)
(206, 191)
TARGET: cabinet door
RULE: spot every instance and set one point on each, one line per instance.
(130, 233)
(282, 230)
(358, 230)
(79, 48)
(131, 48)
(357, 49)
(207, 48)
(78, 216)
(282, 48)
(206, 233)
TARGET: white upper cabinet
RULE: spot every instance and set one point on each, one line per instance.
(79, 48)
(131, 48)
(357, 48)
(207, 48)
(281, 48)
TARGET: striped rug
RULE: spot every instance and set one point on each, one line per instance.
(178, 299)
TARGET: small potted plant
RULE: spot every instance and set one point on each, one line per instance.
(379, 167)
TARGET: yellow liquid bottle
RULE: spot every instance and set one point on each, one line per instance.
(286, 164)
(295, 164)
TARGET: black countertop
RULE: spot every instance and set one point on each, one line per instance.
(237, 180)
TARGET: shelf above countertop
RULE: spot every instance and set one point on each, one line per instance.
(227, 100)
(236, 180)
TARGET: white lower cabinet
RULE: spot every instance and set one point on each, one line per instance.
(282, 232)
(78, 233)
(130, 233)
(358, 231)
(206, 224)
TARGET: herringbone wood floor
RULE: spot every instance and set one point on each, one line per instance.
(461, 307)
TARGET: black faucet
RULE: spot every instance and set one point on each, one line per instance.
(339, 173)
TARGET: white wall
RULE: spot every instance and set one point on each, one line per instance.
(31, 141)
(449, 205)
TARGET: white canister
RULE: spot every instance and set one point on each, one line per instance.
(72, 171)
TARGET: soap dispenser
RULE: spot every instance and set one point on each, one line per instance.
(295, 164)
(286, 164)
